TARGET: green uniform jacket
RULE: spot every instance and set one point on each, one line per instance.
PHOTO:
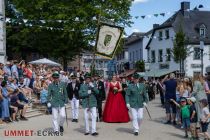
(136, 96)
(57, 94)
(88, 101)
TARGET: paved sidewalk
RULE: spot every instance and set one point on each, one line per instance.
(150, 130)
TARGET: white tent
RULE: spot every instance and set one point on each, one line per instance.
(45, 61)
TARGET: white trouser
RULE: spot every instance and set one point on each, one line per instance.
(75, 108)
(93, 117)
(27, 82)
(137, 114)
(58, 114)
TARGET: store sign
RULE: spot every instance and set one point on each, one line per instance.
(164, 66)
(195, 65)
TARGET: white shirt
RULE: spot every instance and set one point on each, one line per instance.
(73, 85)
(205, 113)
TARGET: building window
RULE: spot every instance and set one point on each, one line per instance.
(197, 54)
(168, 54)
(167, 34)
(140, 54)
(202, 30)
(160, 56)
(133, 56)
(137, 55)
(160, 35)
(153, 56)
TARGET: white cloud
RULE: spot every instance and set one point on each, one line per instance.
(140, 1)
(135, 30)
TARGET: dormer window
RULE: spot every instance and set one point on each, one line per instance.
(167, 34)
(160, 35)
(203, 31)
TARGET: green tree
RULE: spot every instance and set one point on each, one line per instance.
(140, 66)
(180, 50)
(62, 28)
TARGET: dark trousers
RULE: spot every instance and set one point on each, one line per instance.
(208, 96)
(22, 97)
(99, 106)
(162, 98)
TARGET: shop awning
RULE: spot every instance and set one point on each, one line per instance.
(158, 73)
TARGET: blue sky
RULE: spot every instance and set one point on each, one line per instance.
(151, 7)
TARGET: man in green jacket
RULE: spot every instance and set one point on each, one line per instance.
(136, 99)
(57, 98)
(88, 94)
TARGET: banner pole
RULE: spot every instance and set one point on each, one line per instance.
(94, 50)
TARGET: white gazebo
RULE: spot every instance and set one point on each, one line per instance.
(45, 61)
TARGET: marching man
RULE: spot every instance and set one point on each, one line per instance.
(136, 99)
(88, 93)
(57, 98)
(73, 94)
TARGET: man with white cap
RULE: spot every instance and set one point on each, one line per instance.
(57, 98)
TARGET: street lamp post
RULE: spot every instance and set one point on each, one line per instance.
(201, 49)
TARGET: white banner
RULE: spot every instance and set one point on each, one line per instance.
(108, 40)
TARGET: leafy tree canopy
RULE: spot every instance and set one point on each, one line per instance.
(62, 28)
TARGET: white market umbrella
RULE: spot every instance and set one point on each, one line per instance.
(45, 61)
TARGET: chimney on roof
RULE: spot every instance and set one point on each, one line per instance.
(185, 6)
(155, 26)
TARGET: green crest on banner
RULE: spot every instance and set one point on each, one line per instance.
(107, 40)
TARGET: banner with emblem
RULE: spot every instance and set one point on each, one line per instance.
(108, 40)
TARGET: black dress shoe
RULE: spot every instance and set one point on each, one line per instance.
(73, 120)
(61, 129)
(76, 120)
(94, 134)
(16, 119)
(136, 133)
(56, 133)
(86, 134)
(23, 118)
